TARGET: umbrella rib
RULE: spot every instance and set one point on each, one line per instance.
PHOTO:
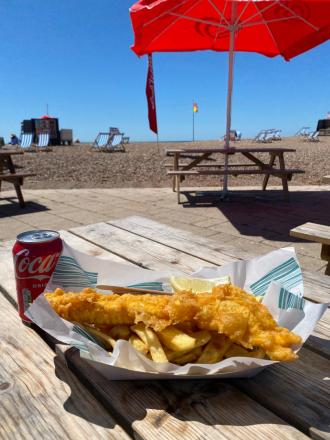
(259, 11)
(269, 30)
(218, 11)
(179, 16)
(199, 20)
(164, 13)
(256, 23)
(242, 12)
(300, 17)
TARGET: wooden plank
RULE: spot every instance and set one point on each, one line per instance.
(7, 276)
(319, 341)
(191, 410)
(179, 396)
(211, 165)
(40, 397)
(312, 232)
(297, 391)
(6, 153)
(231, 150)
(183, 241)
(144, 252)
(201, 172)
(317, 286)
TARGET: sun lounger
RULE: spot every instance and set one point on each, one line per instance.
(303, 131)
(43, 142)
(276, 135)
(313, 137)
(116, 143)
(26, 141)
(101, 141)
(259, 137)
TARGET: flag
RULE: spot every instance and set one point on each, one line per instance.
(195, 107)
(150, 92)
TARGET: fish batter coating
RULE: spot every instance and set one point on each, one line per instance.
(227, 310)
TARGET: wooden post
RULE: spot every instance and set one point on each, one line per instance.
(175, 168)
(271, 163)
(325, 255)
(284, 177)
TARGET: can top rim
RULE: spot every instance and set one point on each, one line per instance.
(37, 236)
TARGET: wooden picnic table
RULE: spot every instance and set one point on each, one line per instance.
(47, 394)
(8, 173)
(255, 165)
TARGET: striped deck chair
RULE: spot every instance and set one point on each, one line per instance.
(101, 141)
(26, 141)
(43, 141)
(116, 143)
(312, 137)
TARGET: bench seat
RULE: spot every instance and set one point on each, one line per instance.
(15, 176)
(17, 180)
(318, 234)
(210, 165)
(234, 172)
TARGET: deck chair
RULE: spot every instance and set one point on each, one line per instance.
(43, 142)
(303, 131)
(116, 143)
(26, 141)
(313, 137)
(101, 141)
(260, 136)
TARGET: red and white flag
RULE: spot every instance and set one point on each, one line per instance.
(150, 92)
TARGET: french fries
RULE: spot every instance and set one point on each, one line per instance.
(176, 340)
(173, 344)
(105, 339)
(150, 338)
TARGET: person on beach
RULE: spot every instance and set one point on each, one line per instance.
(13, 139)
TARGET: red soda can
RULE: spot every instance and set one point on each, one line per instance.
(35, 256)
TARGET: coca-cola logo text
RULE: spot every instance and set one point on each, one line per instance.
(39, 268)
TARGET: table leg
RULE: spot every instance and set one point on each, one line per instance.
(266, 178)
(175, 168)
(178, 181)
(325, 255)
(19, 194)
(284, 177)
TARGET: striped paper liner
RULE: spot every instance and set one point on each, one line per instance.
(287, 273)
(69, 273)
(288, 300)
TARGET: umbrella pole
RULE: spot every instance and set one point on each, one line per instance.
(229, 101)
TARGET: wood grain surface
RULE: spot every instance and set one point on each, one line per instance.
(40, 397)
(194, 409)
(317, 286)
(312, 232)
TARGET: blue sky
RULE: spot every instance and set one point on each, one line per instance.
(75, 55)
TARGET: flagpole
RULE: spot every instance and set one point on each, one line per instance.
(193, 124)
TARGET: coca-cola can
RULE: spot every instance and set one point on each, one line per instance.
(35, 255)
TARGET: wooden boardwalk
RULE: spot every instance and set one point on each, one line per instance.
(256, 226)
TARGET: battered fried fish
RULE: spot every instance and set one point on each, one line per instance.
(227, 310)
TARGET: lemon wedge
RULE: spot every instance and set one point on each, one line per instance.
(197, 285)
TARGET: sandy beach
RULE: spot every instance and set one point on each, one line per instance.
(143, 165)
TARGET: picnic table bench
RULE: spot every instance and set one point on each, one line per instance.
(8, 173)
(317, 233)
(57, 394)
(256, 166)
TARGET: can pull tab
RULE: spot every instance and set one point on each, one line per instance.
(41, 235)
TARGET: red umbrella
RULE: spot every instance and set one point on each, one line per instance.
(268, 27)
